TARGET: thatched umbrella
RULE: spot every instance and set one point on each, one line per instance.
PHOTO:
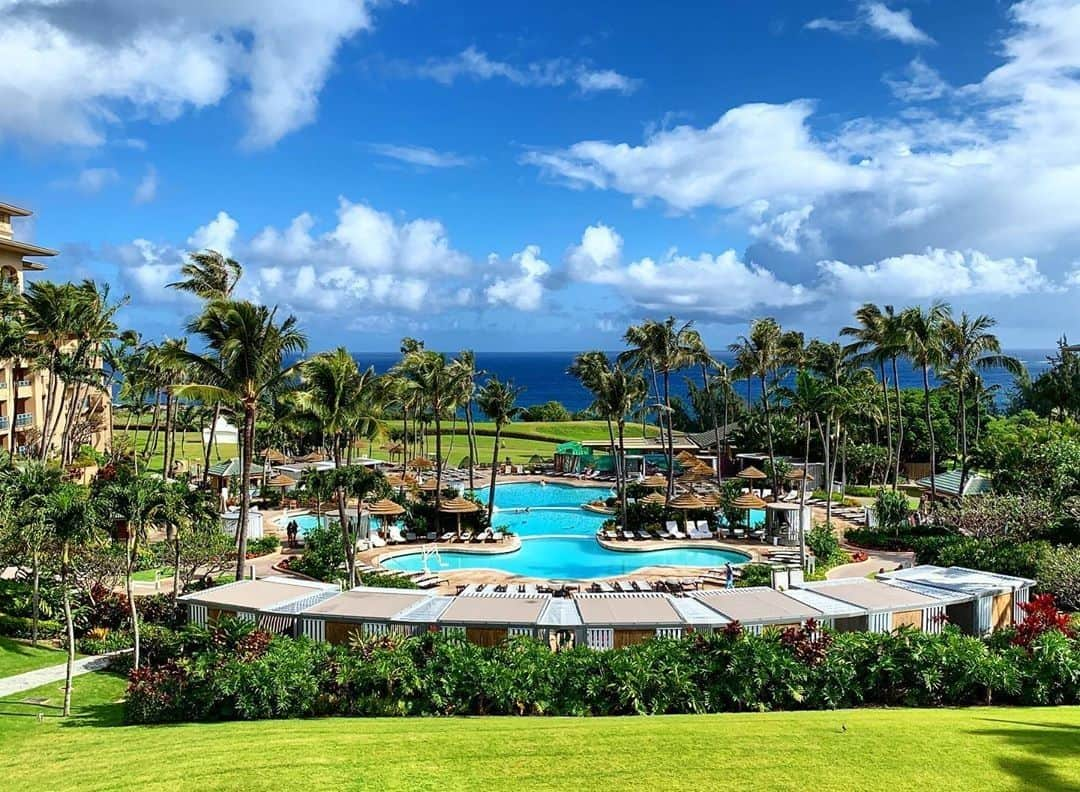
(386, 509)
(752, 474)
(458, 506)
(420, 463)
(281, 480)
(711, 500)
(748, 502)
(429, 485)
(273, 456)
(654, 481)
(686, 459)
(688, 501)
(654, 499)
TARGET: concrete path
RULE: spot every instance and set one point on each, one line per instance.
(877, 561)
(18, 683)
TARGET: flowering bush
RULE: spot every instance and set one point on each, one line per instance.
(1040, 616)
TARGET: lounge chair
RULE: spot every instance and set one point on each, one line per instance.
(377, 541)
(643, 585)
(643, 534)
(410, 536)
(676, 533)
(467, 536)
(428, 582)
(449, 536)
(604, 588)
(738, 533)
(627, 534)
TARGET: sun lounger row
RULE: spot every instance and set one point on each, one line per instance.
(694, 530)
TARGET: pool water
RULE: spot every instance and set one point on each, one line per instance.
(566, 557)
(520, 496)
(558, 539)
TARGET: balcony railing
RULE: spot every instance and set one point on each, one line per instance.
(3, 422)
(22, 383)
(24, 419)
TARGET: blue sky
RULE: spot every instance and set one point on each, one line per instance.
(535, 176)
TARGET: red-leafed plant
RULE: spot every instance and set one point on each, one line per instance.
(807, 643)
(1041, 615)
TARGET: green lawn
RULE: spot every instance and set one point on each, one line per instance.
(986, 749)
(17, 657)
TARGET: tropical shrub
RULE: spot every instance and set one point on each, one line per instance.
(825, 545)
(324, 553)
(755, 575)
(1017, 517)
(262, 546)
(892, 510)
(1058, 573)
(234, 672)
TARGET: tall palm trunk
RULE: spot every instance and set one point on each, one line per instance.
(769, 435)
(438, 458)
(802, 495)
(470, 428)
(715, 420)
(170, 407)
(494, 470)
(35, 596)
(129, 580)
(347, 542)
(899, 421)
(69, 622)
(888, 415)
(719, 473)
(620, 465)
(670, 435)
(176, 567)
(930, 435)
(210, 438)
(611, 446)
(245, 492)
(963, 444)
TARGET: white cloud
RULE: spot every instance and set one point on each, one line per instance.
(85, 67)
(146, 268)
(218, 235)
(894, 24)
(878, 19)
(94, 180)
(596, 258)
(476, 64)
(525, 290)
(919, 83)
(713, 286)
(935, 273)
(420, 156)
(146, 190)
(752, 152)
(993, 168)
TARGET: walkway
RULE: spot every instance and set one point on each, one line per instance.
(18, 683)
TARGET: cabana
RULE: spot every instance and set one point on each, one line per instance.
(559, 626)
(885, 607)
(947, 484)
(224, 473)
(571, 457)
(489, 619)
(255, 601)
(615, 620)
(363, 610)
(995, 599)
(757, 607)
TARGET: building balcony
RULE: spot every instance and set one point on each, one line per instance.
(23, 383)
(4, 423)
(24, 419)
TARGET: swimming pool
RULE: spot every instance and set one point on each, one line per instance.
(569, 557)
(557, 539)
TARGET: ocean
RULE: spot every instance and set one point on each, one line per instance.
(544, 378)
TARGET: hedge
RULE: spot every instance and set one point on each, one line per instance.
(231, 672)
(22, 627)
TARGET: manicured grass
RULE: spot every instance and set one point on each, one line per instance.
(989, 749)
(561, 431)
(17, 657)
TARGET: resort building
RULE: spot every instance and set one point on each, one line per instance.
(615, 620)
(273, 603)
(363, 610)
(23, 388)
(994, 602)
(758, 607)
(882, 607)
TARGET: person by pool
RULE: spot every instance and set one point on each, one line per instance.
(729, 575)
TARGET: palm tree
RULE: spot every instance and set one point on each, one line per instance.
(723, 383)
(661, 349)
(809, 399)
(498, 401)
(620, 390)
(338, 398)
(209, 276)
(874, 343)
(760, 355)
(590, 369)
(69, 516)
(25, 489)
(969, 346)
(243, 363)
(468, 373)
(187, 511)
(925, 342)
(434, 378)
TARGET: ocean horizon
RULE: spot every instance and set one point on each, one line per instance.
(544, 375)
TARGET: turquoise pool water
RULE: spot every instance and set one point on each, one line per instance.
(558, 539)
(566, 557)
